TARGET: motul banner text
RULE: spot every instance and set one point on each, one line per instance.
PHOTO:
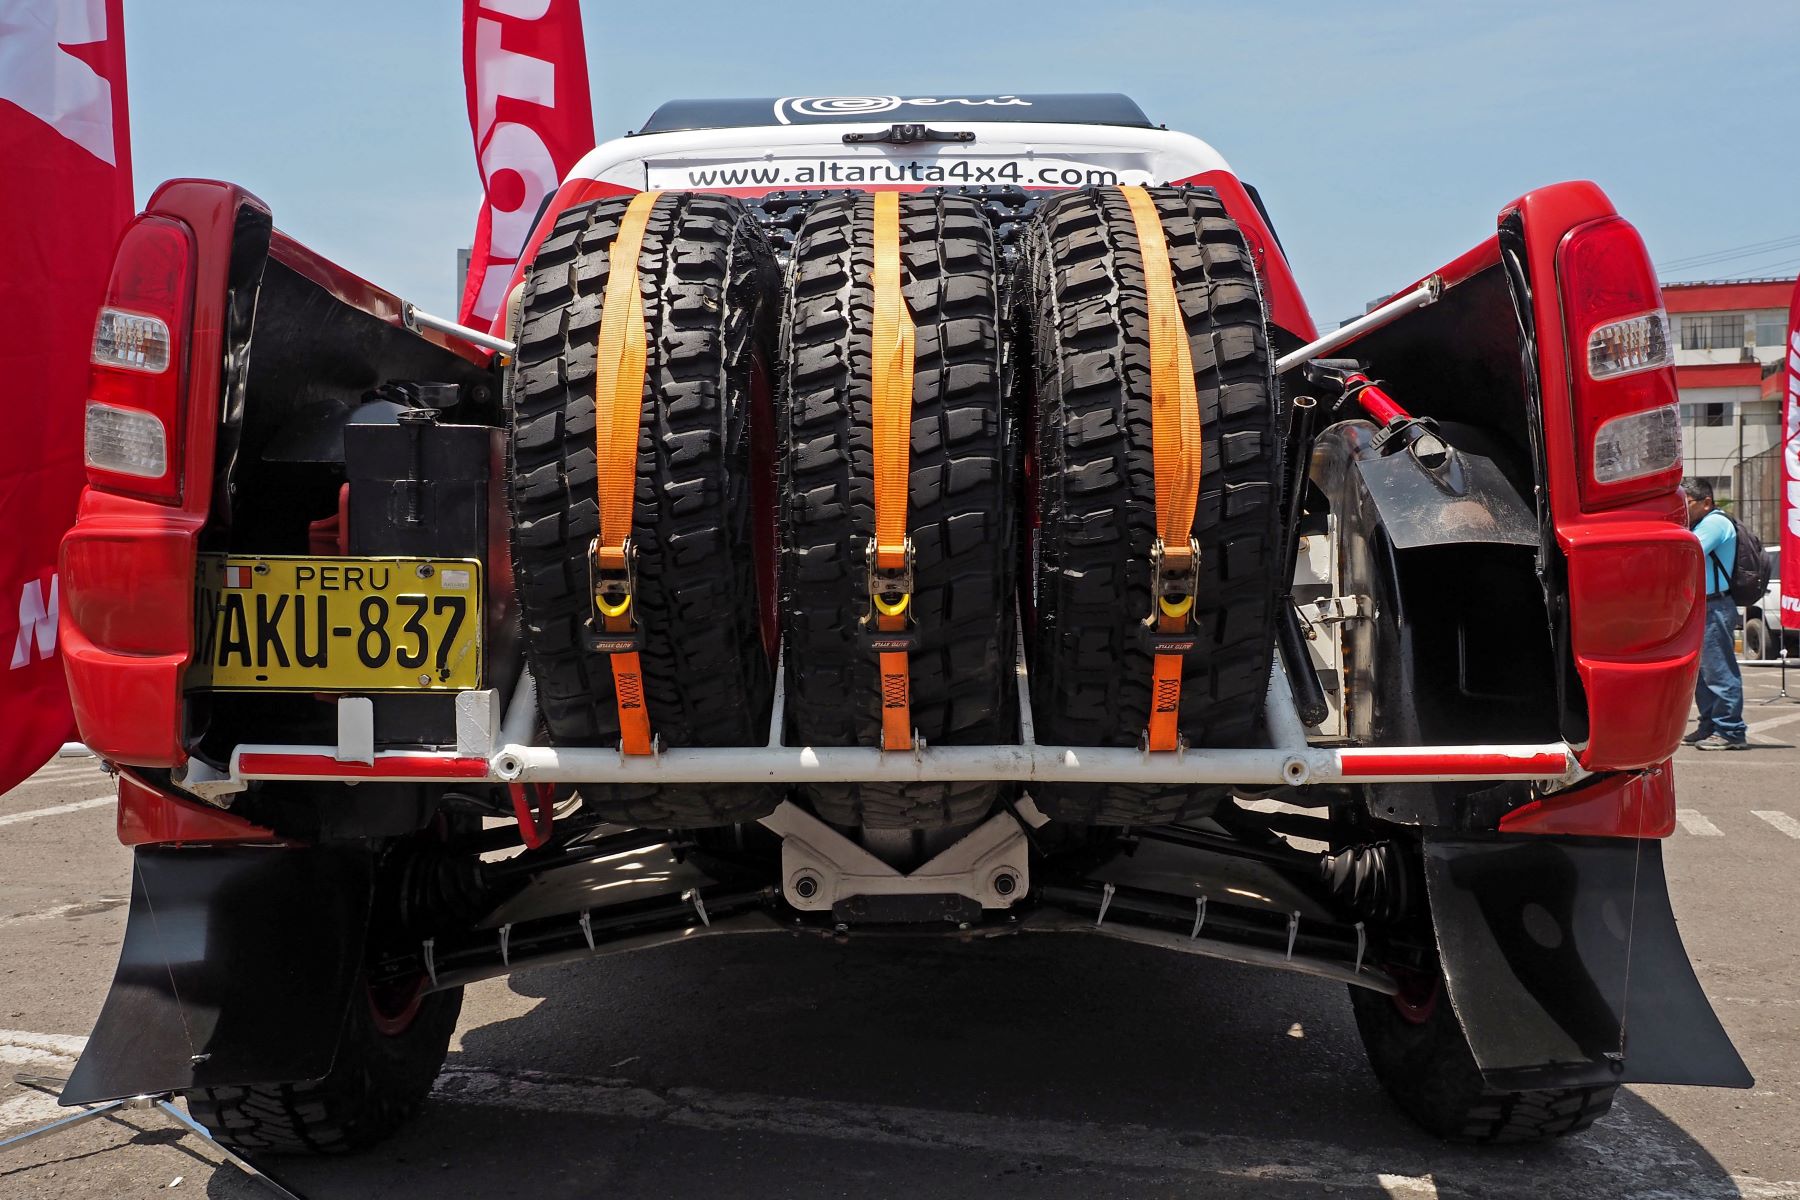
(66, 152)
(532, 118)
(1790, 474)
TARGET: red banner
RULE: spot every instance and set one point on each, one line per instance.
(532, 118)
(66, 147)
(1790, 474)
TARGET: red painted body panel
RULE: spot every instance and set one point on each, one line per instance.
(352, 289)
(1636, 805)
(385, 766)
(1632, 567)
(126, 624)
(1633, 570)
(150, 816)
(1462, 268)
(127, 566)
(1380, 762)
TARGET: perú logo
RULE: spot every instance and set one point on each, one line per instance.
(38, 73)
(851, 108)
(37, 623)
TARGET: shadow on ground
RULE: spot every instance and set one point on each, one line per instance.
(772, 1066)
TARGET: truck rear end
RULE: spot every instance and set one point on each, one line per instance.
(342, 607)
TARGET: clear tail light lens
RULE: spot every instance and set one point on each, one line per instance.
(1646, 443)
(1622, 347)
(137, 384)
(126, 441)
(1622, 381)
(131, 341)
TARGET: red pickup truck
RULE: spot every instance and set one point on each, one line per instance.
(887, 515)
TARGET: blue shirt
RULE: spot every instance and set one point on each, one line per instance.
(1718, 540)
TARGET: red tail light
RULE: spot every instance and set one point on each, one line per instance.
(1627, 419)
(139, 375)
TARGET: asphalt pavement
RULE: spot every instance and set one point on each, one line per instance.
(1016, 1067)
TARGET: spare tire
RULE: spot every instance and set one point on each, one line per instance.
(960, 500)
(1083, 310)
(709, 283)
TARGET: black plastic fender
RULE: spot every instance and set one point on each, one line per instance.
(1564, 965)
(237, 967)
(1419, 487)
(1411, 521)
(1431, 498)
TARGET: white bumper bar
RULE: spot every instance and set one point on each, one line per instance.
(507, 757)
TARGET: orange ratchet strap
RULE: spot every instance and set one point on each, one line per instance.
(618, 410)
(1175, 445)
(891, 560)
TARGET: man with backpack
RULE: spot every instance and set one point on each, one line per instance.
(1719, 692)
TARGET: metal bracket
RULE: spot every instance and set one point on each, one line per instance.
(415, 319)
(692, 896)
(1169, 582)
(1329, 609)
(892, 584)
(906, 134)
(820, 866)
(163, 1102)
(612, 591)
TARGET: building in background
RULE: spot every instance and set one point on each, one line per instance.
(1730, 339)
(462, 274)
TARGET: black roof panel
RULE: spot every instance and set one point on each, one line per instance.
(1071, 108)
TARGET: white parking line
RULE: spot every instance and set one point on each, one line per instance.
(1773, 722)
(78, 776)
(69, 766)
(79, 908)
(1640, 1155)
(56, 1050)
(55, 810)
(18, 1046)
(57, 772)
(1696, 824)
(1779, 820)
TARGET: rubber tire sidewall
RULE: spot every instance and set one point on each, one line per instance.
(1083, 313)
(376, 1084)
(710, 289)
(962, 495)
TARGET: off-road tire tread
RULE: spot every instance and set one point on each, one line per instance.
(709, 284)
(1429, 1072)
(960, 510)
(376, 1085)
(1082, 310)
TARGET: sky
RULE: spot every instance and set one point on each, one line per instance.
(1384, 137)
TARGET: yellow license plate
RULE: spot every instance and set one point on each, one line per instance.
(337, 624)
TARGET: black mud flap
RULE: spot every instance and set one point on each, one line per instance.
(1565, 967)
(1465, 499)
(237, 968)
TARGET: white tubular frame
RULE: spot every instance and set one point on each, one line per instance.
(1290, 761)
